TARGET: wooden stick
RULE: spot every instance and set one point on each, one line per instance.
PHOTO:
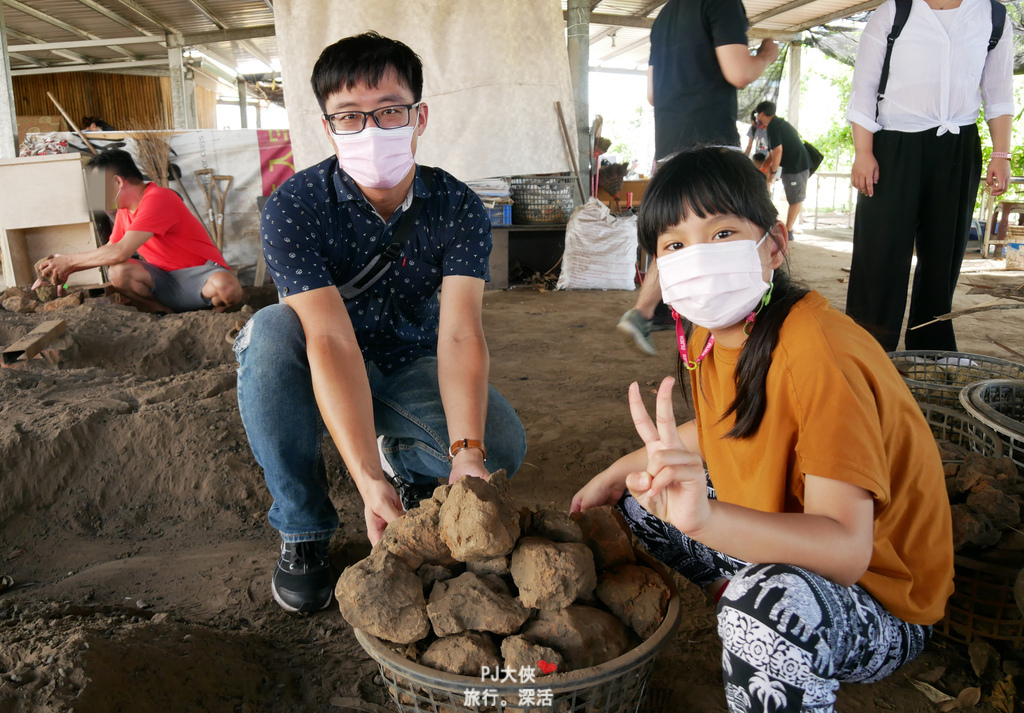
(970, 310)
(35, 341)
(1012, 351)
(72, 124)
(568, 147)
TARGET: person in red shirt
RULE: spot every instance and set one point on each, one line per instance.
(179, 268)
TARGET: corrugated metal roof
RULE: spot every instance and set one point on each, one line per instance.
(619, 29)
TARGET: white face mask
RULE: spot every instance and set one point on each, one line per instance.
(376, 157)
(714, 285)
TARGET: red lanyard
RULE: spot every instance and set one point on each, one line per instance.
(681, 337)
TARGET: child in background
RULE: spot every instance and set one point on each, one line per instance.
(821, 525)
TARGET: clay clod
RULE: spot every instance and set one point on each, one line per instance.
(472, 602)
(520, 653)
(585, 636)
(636, 595)
(479, 519)
(463, 654)
(552, 575)
(415, 537)
(605, 532)
(384, 597)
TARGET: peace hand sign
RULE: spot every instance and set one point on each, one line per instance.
(674, 486)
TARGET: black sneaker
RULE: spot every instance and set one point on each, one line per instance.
(409, 493)
(302, 580)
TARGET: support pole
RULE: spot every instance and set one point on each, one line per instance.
(191, 111)
(8, 118)
(793, 117)
(242, 108)
(578, 37)
(177, 74)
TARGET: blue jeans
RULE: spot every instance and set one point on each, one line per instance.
(283, 423)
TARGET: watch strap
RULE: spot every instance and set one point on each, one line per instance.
(464, 443)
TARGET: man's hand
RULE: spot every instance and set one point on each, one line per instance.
(381, 505)
(57, 268)
(998, 176)
(674, 486)
(768, 50)
(864, 175)
(468, 461)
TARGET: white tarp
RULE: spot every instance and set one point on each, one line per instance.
(493, 70)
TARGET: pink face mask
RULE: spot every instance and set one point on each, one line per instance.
(375, 157)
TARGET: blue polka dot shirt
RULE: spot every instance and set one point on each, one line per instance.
(318, 230)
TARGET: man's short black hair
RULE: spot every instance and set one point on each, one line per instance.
(766, 107)
(365, 58)
(759, 158)
(119, 162)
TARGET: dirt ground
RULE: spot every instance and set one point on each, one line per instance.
(133, 515)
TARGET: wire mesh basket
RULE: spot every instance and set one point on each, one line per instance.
(982, 604)
(616, 686)
(962, 429)
(937, 377)
(542, 199)
(999, 404)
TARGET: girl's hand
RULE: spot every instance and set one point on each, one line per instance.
(674, 486)
(864, 174)
(603, 489)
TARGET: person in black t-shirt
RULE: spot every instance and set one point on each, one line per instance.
(787, 152)
(699, 58)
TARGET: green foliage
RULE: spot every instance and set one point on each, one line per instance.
(837, 142)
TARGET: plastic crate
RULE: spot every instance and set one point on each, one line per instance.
(500, 215)
(982, 604)
(542, 199)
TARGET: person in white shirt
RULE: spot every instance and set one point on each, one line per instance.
(918, 159)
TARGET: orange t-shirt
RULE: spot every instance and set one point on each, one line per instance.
(179, 239)
(836, 408)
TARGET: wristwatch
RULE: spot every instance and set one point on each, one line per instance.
(464, 443)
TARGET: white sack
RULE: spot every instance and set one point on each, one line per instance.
(600, 250)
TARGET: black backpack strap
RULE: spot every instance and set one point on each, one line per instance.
(998, 23)
(381, 262)
(902, 13)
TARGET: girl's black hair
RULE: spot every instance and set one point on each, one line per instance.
(711, 181)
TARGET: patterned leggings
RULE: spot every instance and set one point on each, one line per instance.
(789, 636)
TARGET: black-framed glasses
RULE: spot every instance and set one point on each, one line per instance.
(387, 117)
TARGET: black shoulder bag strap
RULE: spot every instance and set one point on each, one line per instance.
(381, 262)
(902, 13)
(998, 21)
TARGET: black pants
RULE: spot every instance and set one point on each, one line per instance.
(924, 199)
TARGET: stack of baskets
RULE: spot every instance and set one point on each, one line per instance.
(976, 402)
(542, 199)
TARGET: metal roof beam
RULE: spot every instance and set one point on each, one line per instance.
(238, 33)
(75, 44)
(825, 19)
(643, 13)
(249, 46)
(22, 7)
(618, 20)
(628, 48)
(785, 7)
(111, 15)
(25, 58)
(53, 69)
(73, 56)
